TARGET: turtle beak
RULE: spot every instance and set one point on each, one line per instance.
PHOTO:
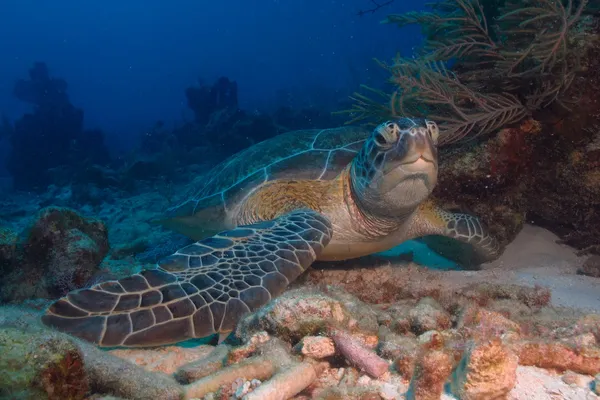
(416, 152)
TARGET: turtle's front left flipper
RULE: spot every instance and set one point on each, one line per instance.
(201, 289)
(478, 245)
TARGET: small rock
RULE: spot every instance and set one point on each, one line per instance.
(493, 324)
(584, 340)
(431, 340)
(401, 349)
(399, 314)
(389, 392)
(467, 315)
(246, 387)
(597, 384)
(573, 378)
(428, 315)
(316, 347)
(488, 370)
(591, 267)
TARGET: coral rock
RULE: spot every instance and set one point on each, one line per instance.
(561, 356)
(40, 366)
(490, 323)
(401, 349)
(572, 378)
(316, 347)
(428, 315)
(431, 340)
(487, 371)
(60, 251)
(355, 352)
(205, 366)
(431, 372)
(591, 267)
(295, 314)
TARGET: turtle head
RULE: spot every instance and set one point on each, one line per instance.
(397, 167)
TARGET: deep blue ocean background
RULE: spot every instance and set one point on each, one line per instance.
(127, 63)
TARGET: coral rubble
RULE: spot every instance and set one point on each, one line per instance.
(311, 343)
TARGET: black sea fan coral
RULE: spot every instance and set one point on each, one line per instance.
(483, 65)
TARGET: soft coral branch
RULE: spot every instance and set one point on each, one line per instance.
(500, 75)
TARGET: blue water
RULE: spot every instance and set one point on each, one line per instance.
(127, 63)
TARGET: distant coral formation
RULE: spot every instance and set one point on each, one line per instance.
(52, 135)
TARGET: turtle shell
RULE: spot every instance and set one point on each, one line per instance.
(306, 154)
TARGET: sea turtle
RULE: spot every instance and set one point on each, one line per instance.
(262, 218)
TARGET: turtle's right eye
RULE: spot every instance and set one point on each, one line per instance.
(386, 135)
(380, 139)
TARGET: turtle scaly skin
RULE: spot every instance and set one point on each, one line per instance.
(274, 220)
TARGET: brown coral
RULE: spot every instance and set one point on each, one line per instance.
(432, 369)
(488, 371)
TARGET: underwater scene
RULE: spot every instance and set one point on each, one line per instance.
(300, 199)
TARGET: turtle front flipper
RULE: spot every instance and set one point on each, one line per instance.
(459, 237)
(201, 289)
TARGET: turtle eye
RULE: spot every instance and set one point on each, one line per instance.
(386, 135)
(433, 130)
(380, 139)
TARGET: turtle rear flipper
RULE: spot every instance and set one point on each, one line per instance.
(200, 290)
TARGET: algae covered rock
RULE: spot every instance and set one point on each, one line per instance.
(59, 251)
(591, 267)
(428, 315)
(316, 347)
(39, 366)
(403, 350)
(39, 363)
(295, 314)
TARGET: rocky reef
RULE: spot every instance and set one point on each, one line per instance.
(322, 341)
